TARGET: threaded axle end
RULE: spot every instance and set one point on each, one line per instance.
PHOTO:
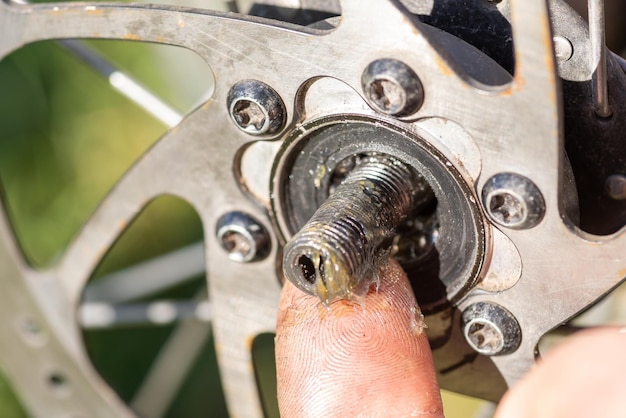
(338, 253)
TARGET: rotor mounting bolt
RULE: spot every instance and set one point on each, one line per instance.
(490, 329)
(242, 237)
(513, 201)
(392, 87)
(616, 186)
(563, 49)
(338, 253)
(256, 108)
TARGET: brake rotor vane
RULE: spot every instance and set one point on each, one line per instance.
(338, 253)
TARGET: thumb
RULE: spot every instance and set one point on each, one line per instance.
(580, 378)
(351, 360)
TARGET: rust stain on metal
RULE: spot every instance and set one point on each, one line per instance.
(131, 36)
(92, 11)
(549, 58)
(249, 342)
(517, 85)
(443, 66)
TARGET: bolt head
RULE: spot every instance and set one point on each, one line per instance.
(242, 237)
(250, 116)
(615, 186)
(490, 329)
(256, 108)
(484, 336)
(391, 87)
(563, 49)
(513, 201)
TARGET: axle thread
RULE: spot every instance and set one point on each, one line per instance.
(340, 250)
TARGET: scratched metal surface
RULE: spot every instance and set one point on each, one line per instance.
(515, 127)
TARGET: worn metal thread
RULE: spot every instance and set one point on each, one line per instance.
(338, 253)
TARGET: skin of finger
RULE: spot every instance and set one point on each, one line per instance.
(582, 377)
(352, 360)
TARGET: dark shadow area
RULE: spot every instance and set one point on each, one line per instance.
(479, 23)
(596, 150)
(302, 17)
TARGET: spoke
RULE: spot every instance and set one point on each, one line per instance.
(150, 277)
(170, 368)
(124, 83)
(598, 58)
(94, 315)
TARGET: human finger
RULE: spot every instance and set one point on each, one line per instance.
(355, 360)
(582, 377)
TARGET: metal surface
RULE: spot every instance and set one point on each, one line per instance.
(490, 329)
(466, 131)
(392, 87)
(598, 58)
(242, 237)
(256, 108)
(323, 145)
(339, 252)
(513, 201)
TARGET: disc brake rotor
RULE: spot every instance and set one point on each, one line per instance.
(496, 251)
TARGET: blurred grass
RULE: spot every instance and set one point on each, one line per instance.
(67, 137)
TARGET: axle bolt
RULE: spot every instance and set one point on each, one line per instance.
(392, 87)
(513, 201)
(256, 108)
(490, 329)
(339, 252)
(242, 237)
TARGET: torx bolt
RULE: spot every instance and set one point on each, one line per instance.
(338, 253)
(392, 87)
(256, 108)
(513, 201)
(490, 329)
(242, 237)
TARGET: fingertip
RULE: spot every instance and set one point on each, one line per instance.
(349, 359)
(581, 377)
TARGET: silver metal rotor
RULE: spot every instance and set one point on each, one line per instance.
(533, 277)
